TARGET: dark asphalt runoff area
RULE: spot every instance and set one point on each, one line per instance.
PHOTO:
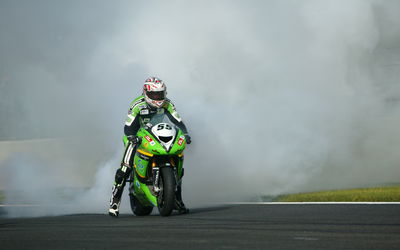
(316, 226)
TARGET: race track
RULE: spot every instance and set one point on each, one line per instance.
(328, 226)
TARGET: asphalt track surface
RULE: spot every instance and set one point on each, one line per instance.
(315, 226)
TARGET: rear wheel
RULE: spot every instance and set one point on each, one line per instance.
(137, 208)
(166, 198)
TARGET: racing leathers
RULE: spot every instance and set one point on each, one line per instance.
(138, 115)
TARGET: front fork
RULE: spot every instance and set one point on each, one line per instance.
(156, 180)
(157, 188)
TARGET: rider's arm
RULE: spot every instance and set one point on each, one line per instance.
(132, 128)
(132, 124)
(178, 123)
(174, 116)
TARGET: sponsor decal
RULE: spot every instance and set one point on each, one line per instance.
(152, 143)
(137, 184)
(140, 164)
(129, 120)
(144, 157)
(176, 116)
(181, 139)
(148, 138)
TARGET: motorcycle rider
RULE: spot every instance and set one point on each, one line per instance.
(152, 101)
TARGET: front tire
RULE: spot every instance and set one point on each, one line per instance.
(166, 198)
(137, 208)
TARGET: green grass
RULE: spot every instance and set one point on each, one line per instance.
(377, 194)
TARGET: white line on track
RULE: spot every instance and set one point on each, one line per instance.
(19, 205)
(311, 203)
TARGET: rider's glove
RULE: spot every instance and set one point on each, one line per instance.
(134, 139)
(188, 139)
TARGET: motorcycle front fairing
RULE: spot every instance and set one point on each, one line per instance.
(152, 154)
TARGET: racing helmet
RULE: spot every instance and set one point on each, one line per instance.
(155, 92)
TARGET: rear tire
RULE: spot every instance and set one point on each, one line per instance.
(137, 208)
(166, 199)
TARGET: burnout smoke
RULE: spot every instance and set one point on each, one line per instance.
(279, 96)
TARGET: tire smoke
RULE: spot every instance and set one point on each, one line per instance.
(279, 96)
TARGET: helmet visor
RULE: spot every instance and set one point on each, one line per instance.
(156, 95)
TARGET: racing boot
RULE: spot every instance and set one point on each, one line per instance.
(119, 184)
(179, 205)
(115, 201)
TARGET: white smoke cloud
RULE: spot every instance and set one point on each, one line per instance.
(279, 96)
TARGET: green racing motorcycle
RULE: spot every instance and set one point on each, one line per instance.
(158, 167)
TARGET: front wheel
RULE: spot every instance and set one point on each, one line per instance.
(166, 197)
